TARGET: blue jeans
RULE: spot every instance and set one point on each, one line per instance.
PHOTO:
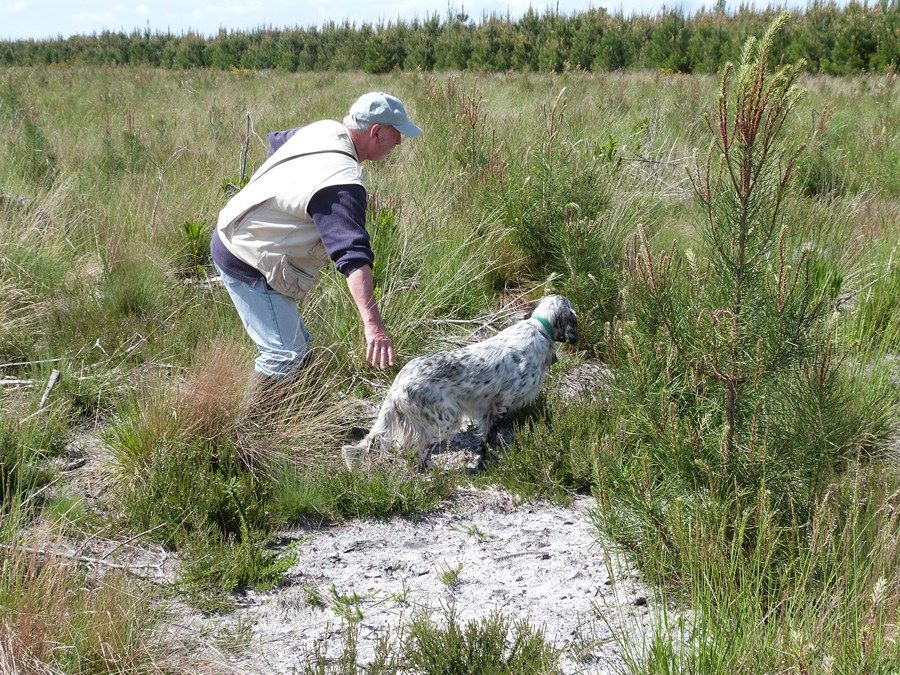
(273, 322)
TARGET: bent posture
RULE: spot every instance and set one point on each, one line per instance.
(306, 203)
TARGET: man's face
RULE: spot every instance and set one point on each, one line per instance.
(384, 139)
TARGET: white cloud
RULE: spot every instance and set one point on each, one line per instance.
(20, 6)
(99, 19)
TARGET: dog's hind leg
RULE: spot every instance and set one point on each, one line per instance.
(424, 454)
(379, 438)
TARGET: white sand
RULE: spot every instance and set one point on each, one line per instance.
(535, 561)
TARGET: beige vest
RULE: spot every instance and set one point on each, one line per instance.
(266, 224)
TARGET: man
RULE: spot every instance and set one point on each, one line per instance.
(305, 203)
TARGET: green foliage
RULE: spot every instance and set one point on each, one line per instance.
(37, 161)
(553, 448)
(376, 493)
(736, 421)
(177, 485)
(492, 645)
(554, 185)
(25, 446)
(833, 39)
(878, 313)
(557, 208)
(195, 495)
(126, 155)
(23, 449)
(668, 46)
(216, 565)
(195, 253)
(830, 608)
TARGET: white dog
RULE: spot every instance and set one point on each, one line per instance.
(431, 395)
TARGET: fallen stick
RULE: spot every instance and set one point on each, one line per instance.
(87, 560)
(27, 363)
(15, 382)
(242, 169)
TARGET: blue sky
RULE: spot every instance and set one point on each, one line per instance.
(49, 18)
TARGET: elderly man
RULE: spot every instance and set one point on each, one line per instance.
(305, 203)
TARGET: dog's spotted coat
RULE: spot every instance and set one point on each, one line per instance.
(431, 395)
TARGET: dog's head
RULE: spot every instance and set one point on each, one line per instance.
(559, 313)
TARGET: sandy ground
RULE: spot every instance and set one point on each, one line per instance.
(480, 553)
(533, 561)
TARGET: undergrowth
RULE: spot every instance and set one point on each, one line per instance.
(736, 450)
(444, 644)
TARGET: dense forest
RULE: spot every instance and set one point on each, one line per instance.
(832, 39)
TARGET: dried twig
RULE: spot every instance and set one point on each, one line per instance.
(88, 560)
(130, 539)
(15, 382)
(19, 364)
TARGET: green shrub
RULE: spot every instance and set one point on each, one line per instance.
(552, 452)
(25, 446)
(492, 645)
(375, 493)
(36, 159)
(556, 206)
(555, 184)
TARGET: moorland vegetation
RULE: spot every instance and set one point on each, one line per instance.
(730, 244)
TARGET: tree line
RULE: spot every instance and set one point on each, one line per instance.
(832, 39)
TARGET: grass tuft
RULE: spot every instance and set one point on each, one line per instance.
(54, 622)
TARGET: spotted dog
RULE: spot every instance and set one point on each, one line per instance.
(431, 395)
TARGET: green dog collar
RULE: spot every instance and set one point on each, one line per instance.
(546, 324)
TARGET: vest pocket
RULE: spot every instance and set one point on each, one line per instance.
(290, 280)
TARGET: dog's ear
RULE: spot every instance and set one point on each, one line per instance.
(566, 326)
(531, 310)
(571, 332)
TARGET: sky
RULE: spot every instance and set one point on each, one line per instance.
(50, 18)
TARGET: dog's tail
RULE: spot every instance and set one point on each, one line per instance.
(379, 439)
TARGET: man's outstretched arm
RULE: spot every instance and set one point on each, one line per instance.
(379, 349)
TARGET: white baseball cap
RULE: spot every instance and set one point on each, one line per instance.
(376, 107)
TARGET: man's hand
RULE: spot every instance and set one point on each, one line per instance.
(379, 349)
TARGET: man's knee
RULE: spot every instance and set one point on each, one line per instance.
(282, 364)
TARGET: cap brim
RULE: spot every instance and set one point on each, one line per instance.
(407, 128)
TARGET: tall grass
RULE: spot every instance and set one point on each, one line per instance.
(52, 621)
(745, 441)
(111, 178)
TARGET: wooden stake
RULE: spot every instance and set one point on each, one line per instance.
(244, 151)
(54, 378)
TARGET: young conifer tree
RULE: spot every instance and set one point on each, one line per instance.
(728, 361)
